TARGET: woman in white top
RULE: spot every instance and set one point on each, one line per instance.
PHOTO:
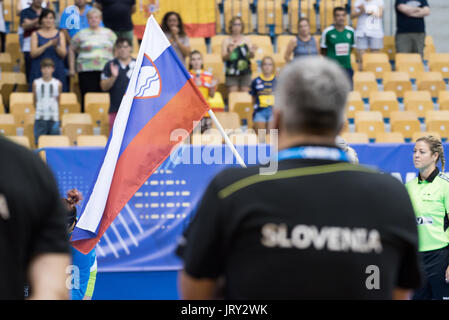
(369, 32)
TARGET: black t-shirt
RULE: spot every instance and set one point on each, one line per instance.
(32, 216)
(118, 90)
(317, 229)
(406, 24)
(117, 14)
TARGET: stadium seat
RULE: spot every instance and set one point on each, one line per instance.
(377, 63)
(2, 106)
(389, 137)
(75, 124)
(211, 137)
(419, 102)
(69, 103)
(230, 121)
(389, 47)
(216, 43)
(12, 45)
(91, 141)
(354, 104)
(282, 42)
(22, 140)
(420, 134)
(438, 121)
(12, 81)
(443, 100)
(97, 105)
(214, 64)
(8, 126)
(21, 104)
(234, 97)
(369, 122)
(240, 8)
(307, 11)
(269, 17)
(6, 62)
(45, 141)
(198, 44)
(326, 11)
(405, 122)
(439, 62)
(384, 101)
(410, 63)
(365, 83)
(244, 138)
(279, 62)
(264, 46)
(398, 82)
(431, 81)
(27, 125)
(429, 47)
(355, 137)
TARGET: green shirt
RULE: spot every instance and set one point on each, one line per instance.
(430, 199)
(339, 44)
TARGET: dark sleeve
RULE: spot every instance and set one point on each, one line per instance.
(50, 233)
(201, 246)
(424, 4)
(107, 70)
(252, 90)
(24, 15)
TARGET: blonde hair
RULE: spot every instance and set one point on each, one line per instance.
(94, 11)
(435, 146)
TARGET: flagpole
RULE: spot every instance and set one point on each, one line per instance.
(226, 138)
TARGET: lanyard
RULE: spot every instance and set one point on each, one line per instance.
(322, 153)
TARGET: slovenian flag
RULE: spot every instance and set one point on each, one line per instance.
(158, 111)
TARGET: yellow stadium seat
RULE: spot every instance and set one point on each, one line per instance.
(389, 137)
(389, 47)
(245, 110)
(355, 137)
(279, 62)
(264, 46)
(418, 101)
(410, 63)
(377, 63)
(209, 137)
(214, 64)
(438, 121)
(46, 141)
(75, 124)
(12, 81)
(6, 62)
(354, 104)
(97, 105)
(8, 126)
(230, 121)
(91, 141)
(384, 101)
(244, 138)
(269, 15)
(216, 43)
(431, 81)
(443, 100)
(420, 134)
(13, 48)
(439, 62)
(369, 122)
(2, 107)
(405, 122)
(282, 42)
(429, 47)
(240, 8)
(198, 44)
(398, 82)
(22, 140)
(365, 83)
(234, 97)
(69, 103)
(21, 105)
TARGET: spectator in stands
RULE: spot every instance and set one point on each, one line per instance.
(74, 18)
(205, 82)
(236, 52)
(117, 16)
(304, 45)
(48, 42)
(94, 46)
(2, 28)
(262, 92)
(298, 233)
(24, 4)
(338, 40)
(369, 32)
(411, 29)
(47, 93)
(174, 31)
(34, 247)
(116, 74)
(29, 22)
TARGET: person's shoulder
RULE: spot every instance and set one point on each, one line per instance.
(349, 28)
(329, 29)
(230, 176)
(444, 178)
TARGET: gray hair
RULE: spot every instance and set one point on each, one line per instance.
(94, 11)
(311, 94)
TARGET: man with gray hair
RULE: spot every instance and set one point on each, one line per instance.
(318, 228)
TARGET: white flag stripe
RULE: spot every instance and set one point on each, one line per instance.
(154, 43)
